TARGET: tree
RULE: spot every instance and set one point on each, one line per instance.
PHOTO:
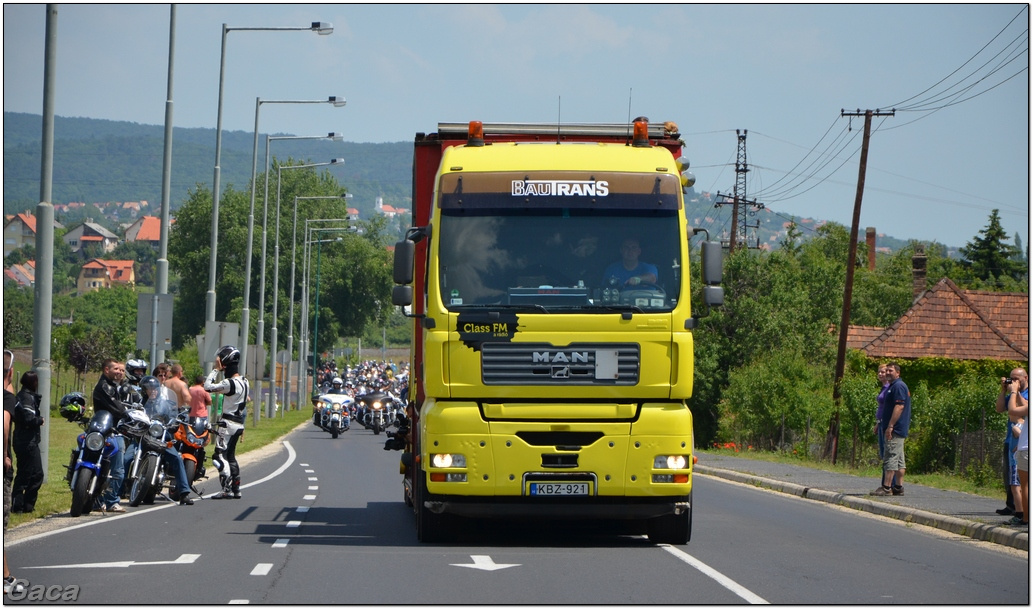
(989, 258)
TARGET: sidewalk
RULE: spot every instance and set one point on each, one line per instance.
(961, 513)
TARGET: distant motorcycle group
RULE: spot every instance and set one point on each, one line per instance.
(371, 394)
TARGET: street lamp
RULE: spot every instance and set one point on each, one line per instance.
(336, 137)
(276, 274)
(245, 314)
(320, 28)
(308, 242)
(290, 324)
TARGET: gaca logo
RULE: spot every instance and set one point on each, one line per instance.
(560, 188)
(21, 590)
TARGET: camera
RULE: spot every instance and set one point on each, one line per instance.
(1007, 381)
(397, 439)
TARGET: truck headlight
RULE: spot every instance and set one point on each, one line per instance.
(448, 460)
(670, 462)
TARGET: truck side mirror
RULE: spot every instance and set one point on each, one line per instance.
(405, 255)
(401, 295)
(710, 262)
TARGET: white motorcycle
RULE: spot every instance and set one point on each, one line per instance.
(334, 417)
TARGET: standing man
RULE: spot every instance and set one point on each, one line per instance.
(200, 400)
(177, 387)
(10, 584)
(108, 395)
(880, 410)
(231, 425)
(1011, 478)
(898, 421)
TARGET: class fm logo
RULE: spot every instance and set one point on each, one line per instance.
(560, 188)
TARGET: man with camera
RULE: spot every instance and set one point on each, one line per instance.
(1014, 395)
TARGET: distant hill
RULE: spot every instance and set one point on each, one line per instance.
(97, 161)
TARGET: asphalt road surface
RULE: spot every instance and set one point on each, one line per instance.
(322, 521)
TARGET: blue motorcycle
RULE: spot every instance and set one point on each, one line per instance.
(90, 461)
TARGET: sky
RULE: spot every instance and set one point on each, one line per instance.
(956, 147)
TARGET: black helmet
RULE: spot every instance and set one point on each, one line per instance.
(73, 406)
(229, 356)
(150, 387)
(135, 370)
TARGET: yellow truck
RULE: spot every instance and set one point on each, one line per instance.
(547, 274)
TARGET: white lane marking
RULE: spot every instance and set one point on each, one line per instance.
(484, 563)
(310, 471)
(184, 559)
(293, 524)
(239, 601)
(313, 479)
(281, 543)
(715, 575)
(313, 488)
(291, 456)
(309, 497)
(303, 464)
(301, 509)
(262, 568)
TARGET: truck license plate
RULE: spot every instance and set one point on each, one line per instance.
(539, 489)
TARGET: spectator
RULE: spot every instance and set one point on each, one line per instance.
(108, 395)
(1011, 477)
(27, 421)
(177, 387)
(880, 410)
(200, 400)
(10, 584)
(898, 422)
(1015, 395)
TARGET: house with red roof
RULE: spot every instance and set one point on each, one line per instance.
(98, 274)
(947, 321)
(90, 232)
(146, 229)
(19, 231)
(24, 275)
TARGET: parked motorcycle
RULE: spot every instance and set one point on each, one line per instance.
(191, 440)
(334, 413)
(148, 472)
(90, 462)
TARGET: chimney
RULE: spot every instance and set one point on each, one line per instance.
(869, 239)
(918, 261)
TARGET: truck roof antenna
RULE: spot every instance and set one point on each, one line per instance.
(629, 113)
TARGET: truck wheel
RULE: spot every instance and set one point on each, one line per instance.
(675, 529)
(81, 496)
(430, 527)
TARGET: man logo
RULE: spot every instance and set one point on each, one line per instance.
(574, 357)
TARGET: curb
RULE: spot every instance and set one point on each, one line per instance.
(992, 533)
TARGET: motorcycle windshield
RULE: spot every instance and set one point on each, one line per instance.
(161, 409)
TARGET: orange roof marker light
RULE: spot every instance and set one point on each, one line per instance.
(475, 134)
(640, 134)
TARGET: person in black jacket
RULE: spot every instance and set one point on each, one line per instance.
(27, 420)
(110, 394)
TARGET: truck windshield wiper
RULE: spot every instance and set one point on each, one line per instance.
(504, 307)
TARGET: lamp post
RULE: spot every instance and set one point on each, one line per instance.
(308, 242)
(319, 27)
(273, 338)
(336, 137)
(290, 323)
(245, 314)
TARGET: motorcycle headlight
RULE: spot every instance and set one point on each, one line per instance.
(156, 430)
(377, 405)
(95, 441)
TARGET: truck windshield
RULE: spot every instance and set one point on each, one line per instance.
(560, 259)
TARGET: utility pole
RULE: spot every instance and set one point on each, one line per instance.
(832, 438)
(739, 223)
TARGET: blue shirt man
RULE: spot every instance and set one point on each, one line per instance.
(629, 271)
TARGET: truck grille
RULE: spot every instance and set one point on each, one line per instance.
(545, 364)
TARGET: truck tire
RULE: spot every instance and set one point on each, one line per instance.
(674, 529)
(430, 527)
(82, 499)
(142, 483)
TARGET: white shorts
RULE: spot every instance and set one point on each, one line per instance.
(1022, 460)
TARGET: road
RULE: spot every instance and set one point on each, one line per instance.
(322, 521)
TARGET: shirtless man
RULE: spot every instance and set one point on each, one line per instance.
(177, 387)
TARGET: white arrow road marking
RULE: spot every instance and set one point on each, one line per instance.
(184, 559)
(484, 563)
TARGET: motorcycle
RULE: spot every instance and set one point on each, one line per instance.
(90, 462)
(334, 413)
(375, 404)
(191, 440)
(148, 472)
